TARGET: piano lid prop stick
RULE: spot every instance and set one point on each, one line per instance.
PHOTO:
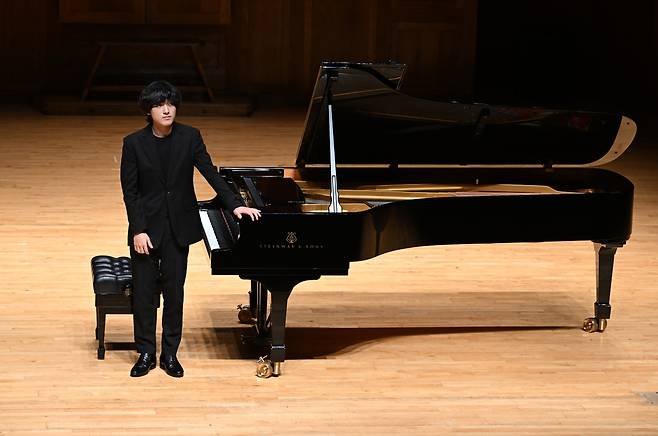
(335, 206)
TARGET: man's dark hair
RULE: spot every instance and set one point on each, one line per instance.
(156, 93)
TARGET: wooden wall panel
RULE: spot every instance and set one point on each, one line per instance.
(436, 39)
(27, 31)
(265, 48)
(105, 11)
(172, 12)
(278, 49)
(341, 30)
(270, 48)
(189, 12)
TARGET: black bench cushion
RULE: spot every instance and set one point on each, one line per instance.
(112, 275)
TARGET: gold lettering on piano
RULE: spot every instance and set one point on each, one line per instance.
(290, 246)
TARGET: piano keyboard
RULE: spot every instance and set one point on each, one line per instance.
(208, 230)
(222, 231)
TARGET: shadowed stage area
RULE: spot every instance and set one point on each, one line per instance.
(324, 342)
(356, 326)
(429, 340)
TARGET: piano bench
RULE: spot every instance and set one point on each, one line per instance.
(113, 283)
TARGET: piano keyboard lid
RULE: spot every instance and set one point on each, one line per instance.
(376, 124)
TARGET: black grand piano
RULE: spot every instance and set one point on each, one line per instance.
(378, 171)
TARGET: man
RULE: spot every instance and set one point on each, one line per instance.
(157, 168)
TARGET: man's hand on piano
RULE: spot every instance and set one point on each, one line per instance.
(252, 213)
(142, 243)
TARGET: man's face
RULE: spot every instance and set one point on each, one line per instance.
(164, 114)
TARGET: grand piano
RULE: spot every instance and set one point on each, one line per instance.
(378, 170)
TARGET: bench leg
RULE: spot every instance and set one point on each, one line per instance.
(100, 332)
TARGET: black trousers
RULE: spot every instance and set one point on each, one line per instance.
(163, 268)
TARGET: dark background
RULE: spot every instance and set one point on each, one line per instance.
(599, 54)
(585, 52)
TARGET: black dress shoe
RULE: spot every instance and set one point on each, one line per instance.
(171, 365)
(144, 364)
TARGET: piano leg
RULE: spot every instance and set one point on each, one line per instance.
(278, 320)
(605, 256)
(280, 289)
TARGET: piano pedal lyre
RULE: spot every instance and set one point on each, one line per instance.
(592, 325)
(244, 315)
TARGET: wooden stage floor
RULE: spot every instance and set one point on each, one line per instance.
(434, 340)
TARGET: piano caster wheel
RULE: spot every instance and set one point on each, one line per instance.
(244, 315)
(264, 368)
(592, 325)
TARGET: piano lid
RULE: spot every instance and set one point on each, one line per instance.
(376, 124)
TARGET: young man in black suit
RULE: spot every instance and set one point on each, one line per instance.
(157, 167)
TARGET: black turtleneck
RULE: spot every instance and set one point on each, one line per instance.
(164, 150)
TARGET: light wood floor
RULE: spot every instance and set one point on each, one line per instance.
(434, 340)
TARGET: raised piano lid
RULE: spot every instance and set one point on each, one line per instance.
(376, 124)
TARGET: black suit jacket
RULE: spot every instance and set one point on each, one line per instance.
(149, 196)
